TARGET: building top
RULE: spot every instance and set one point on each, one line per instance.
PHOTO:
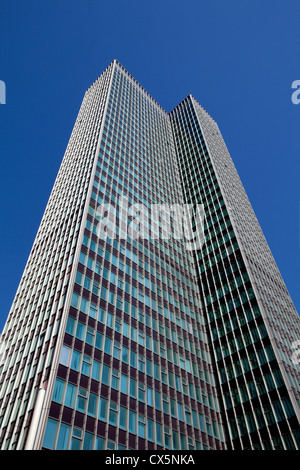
(189, 96)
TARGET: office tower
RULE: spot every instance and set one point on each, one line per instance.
(251, 319)
(122, 337)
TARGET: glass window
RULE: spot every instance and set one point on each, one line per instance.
(65, 355)
(141, 429)
(150, 430)
(88, 441)
(75, 360)
(201, 421)
(92, 404)
(133, 357)
(111, 297)
(115, 379)
(105, 375)
(132, 418)
(122, 417)
(110, 445)
(74, 300)
(101, 315)
(58, 390)
(149, 396)
(81, 400)
(93, 311)
(107, 345)
(157, 399)
(175, 440)
(113, 413)
(62, 442)
(278, 410)
(132, 390)
(90, 263)
(103, 408)
(96, 370)
(158, 433)
(50, 433)
(80, 330)
(109, 320)
(180, 412)
(125, 353)
(99, 339)
(84, 305)
(288, 407)
(70, 395)
(116, 350)
(82, 258)
(99, 443)
(124, 383)
(75, 444)
(78, 278)
(103, 293)
(86, 365)
(141, 392)
(70, 325)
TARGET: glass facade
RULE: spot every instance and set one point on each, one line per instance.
(137, 342)
(251, 319)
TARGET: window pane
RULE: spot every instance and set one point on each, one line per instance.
(75, 360)
(132, 421)
(149, 429)
(75, 444)
(64, 355)
(141, 429)
(102, 408)
(99, 443)
(80, 330)
(70, 395)
(88, 441)
(58, 390)
(81, 403)
(105, 375)
(122, 418)
(70, 325)
(50, 434)
(124, 382)
(92, 404)
(63, 437)
(96, 370)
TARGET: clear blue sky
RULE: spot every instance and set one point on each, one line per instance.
(237, 57)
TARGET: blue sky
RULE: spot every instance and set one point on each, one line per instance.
(237, 57)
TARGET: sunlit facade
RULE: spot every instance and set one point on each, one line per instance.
(138, 342)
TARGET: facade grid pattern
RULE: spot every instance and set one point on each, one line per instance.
(139, 343)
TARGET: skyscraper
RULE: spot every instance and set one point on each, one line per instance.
(121, 337)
